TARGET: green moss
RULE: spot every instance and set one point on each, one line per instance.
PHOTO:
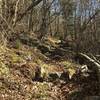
(42, 91)
(18, 44)
(4, 70)
(44, 68)
(14, 58)
(70, 67)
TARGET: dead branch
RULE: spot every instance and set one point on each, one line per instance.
(16, 11)
(84, 26)
(9, 27)
(28, 9)
(91, 60)
(95, 63)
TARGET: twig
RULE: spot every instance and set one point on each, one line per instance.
(7, 23)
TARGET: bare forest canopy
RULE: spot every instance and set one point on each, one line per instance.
(76, 21)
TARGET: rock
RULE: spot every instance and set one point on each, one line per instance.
(64, 76)
(37, 76)
(58, 76)
(54, 76)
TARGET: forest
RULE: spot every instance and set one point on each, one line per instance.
(49, 49)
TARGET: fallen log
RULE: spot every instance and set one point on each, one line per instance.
(91, 60)
(94, 64)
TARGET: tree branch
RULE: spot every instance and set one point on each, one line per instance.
(84, 26)
(28, 9)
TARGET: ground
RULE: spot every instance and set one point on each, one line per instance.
(25, 75)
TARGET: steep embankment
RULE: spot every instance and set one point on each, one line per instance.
(26, 73)
(21, 71)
